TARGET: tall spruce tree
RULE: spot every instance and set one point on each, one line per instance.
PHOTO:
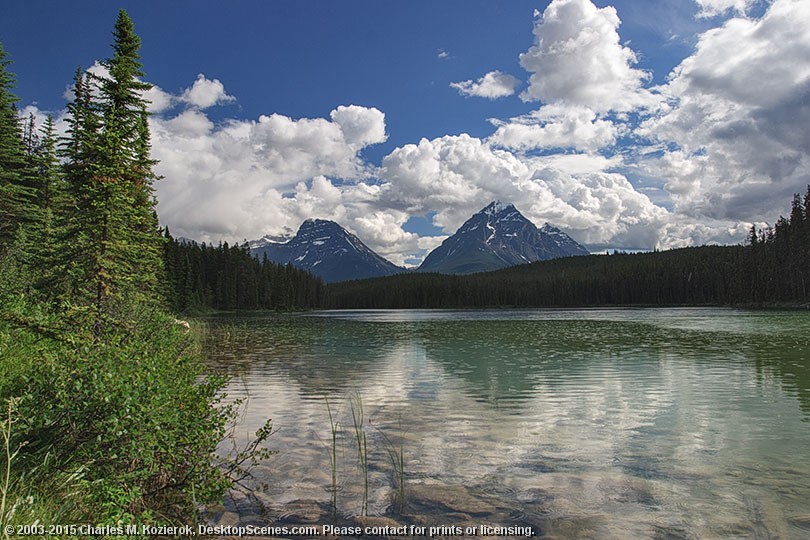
(15, 190)
(115, 231)
(48, 233)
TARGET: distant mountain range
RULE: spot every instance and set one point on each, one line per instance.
(497, 237)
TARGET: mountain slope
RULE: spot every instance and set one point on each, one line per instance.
(497, 237)
(327, 250)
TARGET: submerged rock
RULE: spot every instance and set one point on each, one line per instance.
(801, 522)
(457, 499)
(304, 511)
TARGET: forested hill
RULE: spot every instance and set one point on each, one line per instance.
(685, 276)
(774, 268)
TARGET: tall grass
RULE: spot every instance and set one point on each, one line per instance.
(362, 446)
(335, 428)
(5, 429)
(32, 495)
(397, 456)
(360, 426)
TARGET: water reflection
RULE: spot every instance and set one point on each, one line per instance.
(608, 423)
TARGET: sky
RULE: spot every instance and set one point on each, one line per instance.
(630, 125)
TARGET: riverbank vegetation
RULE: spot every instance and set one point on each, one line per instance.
(108, 416)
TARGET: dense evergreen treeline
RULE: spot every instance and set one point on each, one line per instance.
(683, 276)
(107, 415)
(229, 277)
(777, 266)
(772, 269)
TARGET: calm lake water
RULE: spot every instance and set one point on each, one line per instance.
(593, 423)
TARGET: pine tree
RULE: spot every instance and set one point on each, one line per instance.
(31, 140)
(48, 170)
(117, 240)
(15, 191)
(48, 230)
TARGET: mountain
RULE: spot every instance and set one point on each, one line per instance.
(497, 237)
(327, 250)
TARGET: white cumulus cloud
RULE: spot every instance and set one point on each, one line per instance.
(553, 126)
(736, 129)
(361, 126)
(455, 176)
(493, 85)
(578, 59)
(205, 93)
(243, 179)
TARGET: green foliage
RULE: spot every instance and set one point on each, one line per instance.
(239, 463)
(777, 262)
(135, 412)
(16, 191)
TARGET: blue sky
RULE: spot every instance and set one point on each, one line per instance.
(302, 59)
(628, 124)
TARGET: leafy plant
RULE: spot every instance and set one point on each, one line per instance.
(237, 466)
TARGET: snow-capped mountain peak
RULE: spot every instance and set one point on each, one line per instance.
(329, 251)
(270, 239)
(495, 207)
(496, 237)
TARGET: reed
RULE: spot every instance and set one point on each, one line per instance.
(356, 403)
(397, 456)
(335, 428)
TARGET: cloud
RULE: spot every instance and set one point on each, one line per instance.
(723, 142)
(455, 176)
(382, 228)
(159, 101)
(735, 132)
(191, 123)
(556, 127)
(713, 8)
(243, 179)
(493, 85)
(578, 59)
(361, 126)
(585, 79)
(205, 93)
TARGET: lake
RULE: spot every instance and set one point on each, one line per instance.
(588, 423)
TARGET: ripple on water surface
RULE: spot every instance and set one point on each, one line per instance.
(684, 423)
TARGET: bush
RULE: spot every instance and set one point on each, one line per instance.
(132, 421)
